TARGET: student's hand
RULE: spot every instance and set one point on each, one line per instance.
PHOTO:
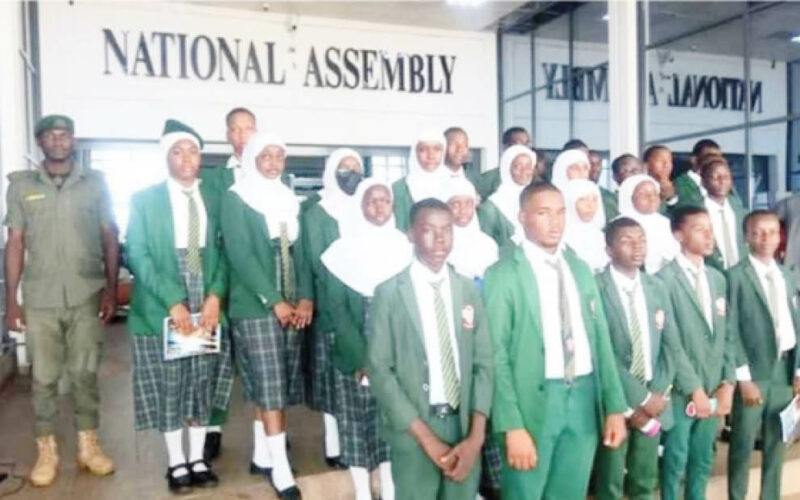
(430, 443)
(796, 385)
(724, 395)
(521, 450)
(209, 314)
(701, 403)
(639, 418)
(667, 189)
(108, 305)
(655, 405)
(751, 394)
(614, 431)
(283, 313)
(15, 317)
(361, 375)
(303, 313)
(463, 457)
(181, 318)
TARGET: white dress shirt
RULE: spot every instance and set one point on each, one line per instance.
(690, 270)
(715, 210)
(235, 164)
(180, 211)
(625, 285)
(784, 326)
(547, 283)
(422, 278)
(697, 180)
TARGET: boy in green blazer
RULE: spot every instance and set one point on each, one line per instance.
(697, 293)
(689, 185)
(643, 335)
(557, 389)
(726, 212)
(429, 361)
(764, 322)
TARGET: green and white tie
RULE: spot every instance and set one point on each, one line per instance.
(193, 244)
(567, 340)
(446, 355)
(635, 331)
(773, 297)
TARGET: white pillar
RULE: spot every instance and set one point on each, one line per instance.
(12, 94)
(623, 74)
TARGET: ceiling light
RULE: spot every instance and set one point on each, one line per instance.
(605, 17)
(796, 39)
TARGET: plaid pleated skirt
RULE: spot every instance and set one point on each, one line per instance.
(492, 461)
(323, 392)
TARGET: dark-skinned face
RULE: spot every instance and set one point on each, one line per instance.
(696, 235)
(629, 248)
(595, 165)
(429, 155)
(377, 205)
(432, 236)
(183, 160)
(660, 164)
(457, 150)
(520, 138)
(522, 170)
(763, 236)
(543, 216)
(241, 127)
(271, 162)
(718, 181)
(57, 144)
(463, 208)
(628, 168)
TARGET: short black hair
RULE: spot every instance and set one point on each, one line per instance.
(453, 130)
(757, 214)
(538, 186)
(619, 160)
(618, 224)
(508, 135)
(574, 144)
(236, 111)
(702, 144)
(427, 204)
(683, 212)
(649, 152)
(709, 162)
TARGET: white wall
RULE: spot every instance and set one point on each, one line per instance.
(12, 94)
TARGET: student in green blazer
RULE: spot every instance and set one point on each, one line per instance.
(174, 250)
(498, 214)
(429, 362)
(764, 319)
(689, 185)
(557, 391)
(260, 228)
(726, 212)
(456, 156)
(622, 167)
(659, 163)
(319, 227)
(426, 177)
(698, 296)
(642, 329)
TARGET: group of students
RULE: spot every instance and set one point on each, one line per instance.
(517, 331)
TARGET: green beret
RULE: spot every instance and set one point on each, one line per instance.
(51, 122)
(175, 130)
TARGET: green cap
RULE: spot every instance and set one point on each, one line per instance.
(51, 122)
(174, 130)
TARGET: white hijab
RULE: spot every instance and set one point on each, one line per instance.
(269, 197)
(661, 244)
(366, 255)
(506, 198)
(473, 250)
(332, 198)
(561, 165)
(421, 183)
(587, 239)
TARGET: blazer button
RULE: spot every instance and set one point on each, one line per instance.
(425, 387)
(541, 387)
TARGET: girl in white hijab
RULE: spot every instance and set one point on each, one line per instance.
(426, 175)
(499, 215)
(473, 250)
(585, 222)
(344, 170)
(639, 199)
(370, 251)
(569, 164)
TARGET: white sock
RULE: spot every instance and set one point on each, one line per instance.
(387, 484)
(215, 428)
(197, 440)
(261, 456)
(360, 477)
(331, 436)
(282, 476)
(175, 454)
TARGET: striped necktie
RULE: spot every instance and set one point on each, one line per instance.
(773, 298)
(193, 243)
(635, 331)
(567, 340)
(700, 292)
(446, 356)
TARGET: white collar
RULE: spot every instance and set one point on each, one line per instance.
(761, 268)
(234, 162)
(454, 174)
(538, 254)
(624, 282)
(685, 263)
(177, 188)
(423, 272)
(722, 206)
(695, 177)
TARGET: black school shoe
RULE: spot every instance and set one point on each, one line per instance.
(203, 479)
(212, 446)
(260, 471)
(179, 485)
(292, 493)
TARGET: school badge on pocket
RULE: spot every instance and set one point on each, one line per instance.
(468, 317)
(659, 319)
(721, 306)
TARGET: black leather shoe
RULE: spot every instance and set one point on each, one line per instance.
(211, 448)
(179, 485)
(203, 479)
(292, 493)
(260, 471)
(335, 463)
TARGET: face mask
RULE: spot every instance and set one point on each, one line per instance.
(348, 180)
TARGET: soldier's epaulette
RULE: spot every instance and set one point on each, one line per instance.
(20, 175)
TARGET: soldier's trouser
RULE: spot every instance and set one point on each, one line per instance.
(65, 339)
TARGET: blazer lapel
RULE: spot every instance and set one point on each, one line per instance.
(615, 314)
(529, 286)
(406, 288)
(458, 303)
(163, 210)
(753, 277)
(652, 312)
(680, 276)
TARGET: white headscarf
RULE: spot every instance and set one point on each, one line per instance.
(586, 238)
(332, 198)
(561, 165)
(473, 250)
(269, 197)
(421, 183)
(366, 255)
(661, 244)
(506, 198)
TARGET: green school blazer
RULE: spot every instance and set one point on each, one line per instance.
(401, 199)
(687, 191)
(150, 253)
(750, 322)
(317, 231)
(512, 298)
(610, 205)
(490, 181)
(249, 246)
(346, 310)
(398, 365)
(739, 212)
(711, 354)
(495, 224)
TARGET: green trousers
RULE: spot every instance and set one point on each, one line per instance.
(70, 340)
(565, 447)
(746, 422)
(416, 477)
(630, 470)
(688, 452)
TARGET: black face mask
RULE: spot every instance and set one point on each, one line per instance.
(348, 180)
